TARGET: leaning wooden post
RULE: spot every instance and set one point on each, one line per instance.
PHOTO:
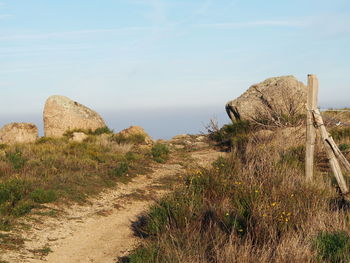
(331, 152)
(312, 101)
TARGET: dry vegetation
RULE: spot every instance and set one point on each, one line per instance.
(61, 171)
(252, 207)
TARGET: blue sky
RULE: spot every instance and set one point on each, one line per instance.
(120, 55)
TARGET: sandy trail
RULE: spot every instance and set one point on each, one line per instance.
(101, 230)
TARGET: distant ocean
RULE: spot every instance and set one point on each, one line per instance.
(159, 123)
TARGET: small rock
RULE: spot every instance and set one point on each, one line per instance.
(179, 146)
(136, 130)
(201, 138)
(79, 137)
(180, 137)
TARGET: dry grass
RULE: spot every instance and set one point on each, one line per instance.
(59, 170)
(251, 208)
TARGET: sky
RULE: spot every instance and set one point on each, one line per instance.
(169, 65)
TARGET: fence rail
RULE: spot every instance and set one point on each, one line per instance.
(314, 125)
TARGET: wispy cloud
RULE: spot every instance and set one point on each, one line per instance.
(69, 34)
(203, 9)
(262, 23)
(4, 16)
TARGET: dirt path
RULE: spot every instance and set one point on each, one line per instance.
(100, 231)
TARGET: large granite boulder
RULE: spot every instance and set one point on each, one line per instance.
(274, 96)
(18, 133)
(62, 114)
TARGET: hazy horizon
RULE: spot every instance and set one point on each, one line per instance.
(160, 123)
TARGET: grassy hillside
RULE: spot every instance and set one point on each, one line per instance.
(252, 207)
(61, 171)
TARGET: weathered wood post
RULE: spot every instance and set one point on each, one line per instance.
(332, 150)
(312, 101)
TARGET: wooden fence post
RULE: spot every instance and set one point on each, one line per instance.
(331, 150)
(312, 101)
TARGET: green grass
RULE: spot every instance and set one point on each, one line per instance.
(133, 138)
(229, 131)
(340, 133)
(98, 131)
(160, 152)
(294, 156)
(42, 196)
(333, 247)
(16, 159)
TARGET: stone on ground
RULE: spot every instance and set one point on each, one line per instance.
(78, 137)
(136, 130)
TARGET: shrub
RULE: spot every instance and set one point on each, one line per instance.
(333, 247)
(142, 255)
(16, 159)
(13, 191)
(98, 131)
(12, 194)
(42, 196)
(134, 138)
(121, 170)
(160, 152)
(22, 208)
(344, 147)
(340, 133)
(228, 131)
(294, 156)
(3, 146)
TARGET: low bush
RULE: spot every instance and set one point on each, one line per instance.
(42, 196)
(340, 133)
(142, 255)
(229, 131)
(12, 196)
(98, 131)
(294, 157)
(333, 246)
(134, 138)
(160, 152)
(121, 170)
(3, 146)
(344, 147)
(16, 158)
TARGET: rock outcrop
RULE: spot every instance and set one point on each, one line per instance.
(280, 95)
(18, 133)
(136, 130)
(62, 114)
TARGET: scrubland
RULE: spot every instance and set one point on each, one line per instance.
(254, 206)
(63, 171)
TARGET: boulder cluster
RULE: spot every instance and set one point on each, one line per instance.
(62, 114)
